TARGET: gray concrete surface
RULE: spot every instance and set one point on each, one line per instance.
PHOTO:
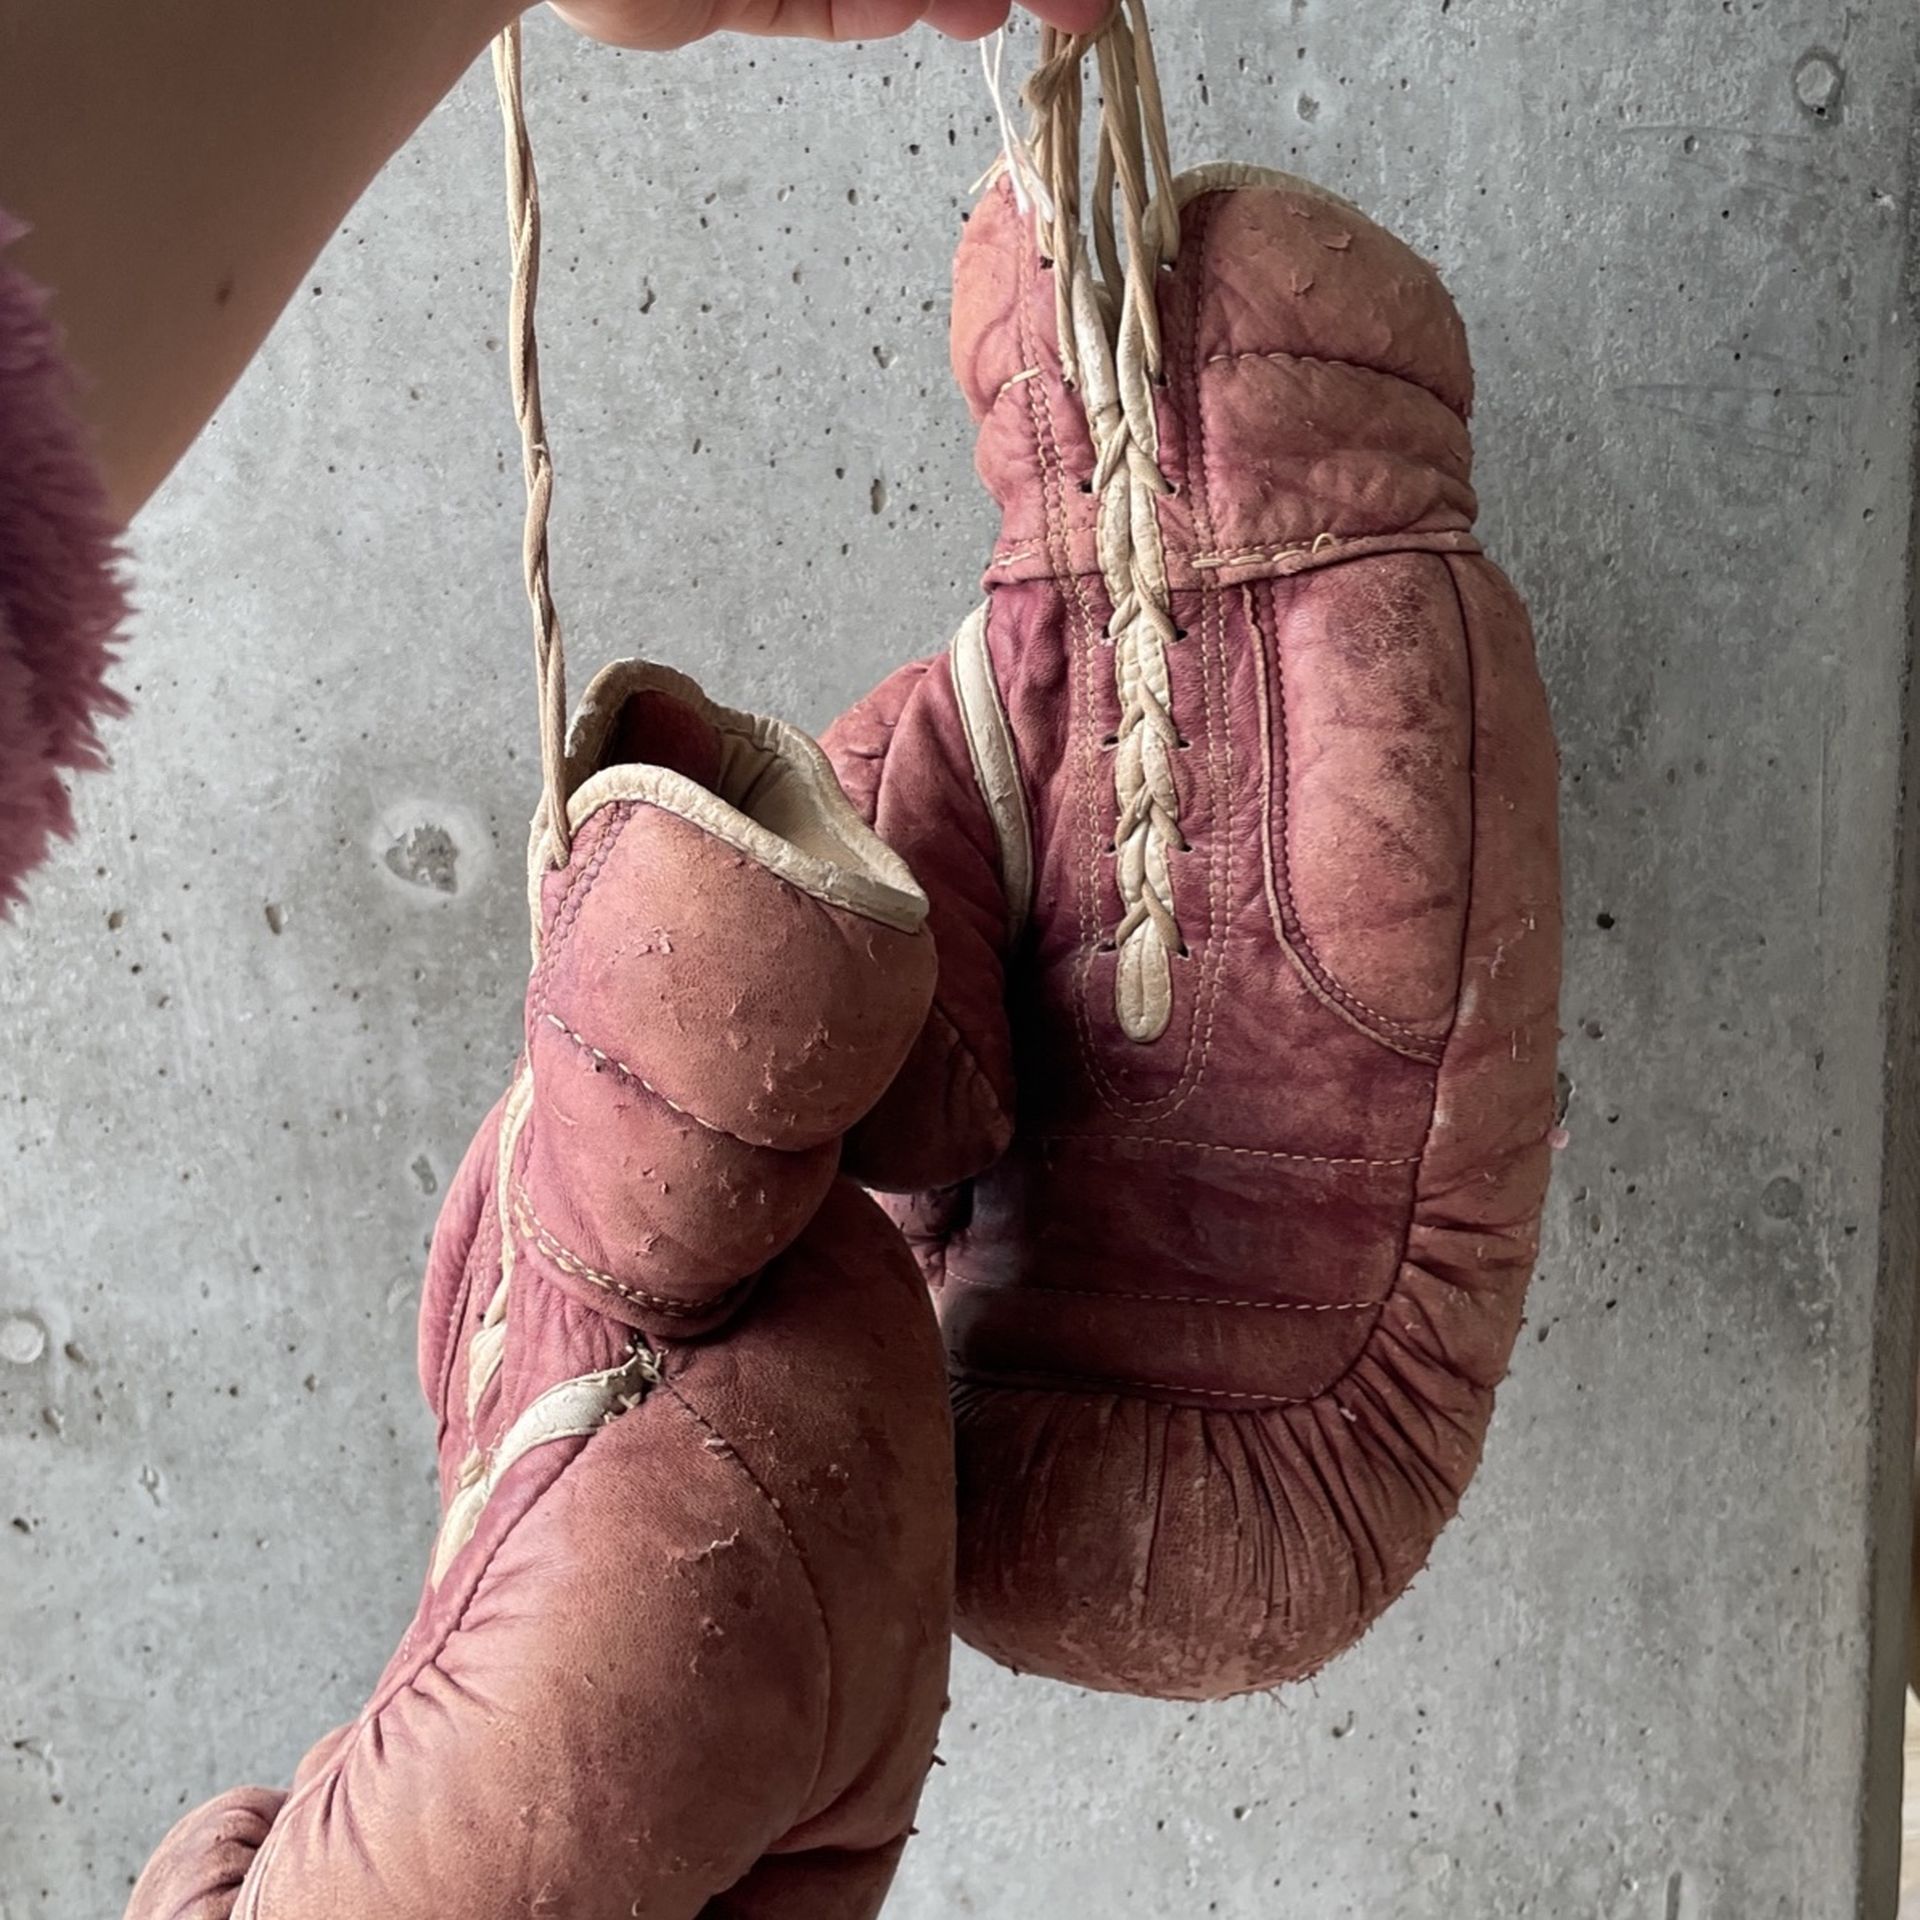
(250, 1020)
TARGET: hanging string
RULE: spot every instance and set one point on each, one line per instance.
(1016, 157)
(1132, 165)
(523, 232)
(1132, 154)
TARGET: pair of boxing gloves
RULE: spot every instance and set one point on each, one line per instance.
(1195, 1022)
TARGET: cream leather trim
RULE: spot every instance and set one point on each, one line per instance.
(564, 1412)
(487, 1349)
(777, 800)
(513, 1122)
(996, 766)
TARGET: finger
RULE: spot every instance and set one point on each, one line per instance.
(967, 19)
(656, 27)
(1071, 16)
(870, 19)
(836, 20)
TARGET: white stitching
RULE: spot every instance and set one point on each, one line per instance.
(1186, 1299)
(1210, 1146)
(530, 1223)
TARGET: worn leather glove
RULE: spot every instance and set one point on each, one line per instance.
(1226, 1141)
(683, 1645)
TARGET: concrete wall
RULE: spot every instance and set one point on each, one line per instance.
(250, 1020)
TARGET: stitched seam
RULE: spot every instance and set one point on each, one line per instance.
(1336, 360)
(1210, 1146)
(1026, 1289)
(530, 1223)
(733, 1456)
(463, 1293)
(1324, 542)
(1092, 1384)
(567, 915)
(1009, 391)
(1293, 937)
(1320, 542)
(431, 1659)
(567, 906)
(1457, 539)
(1212, 678)
(463, 1299)
(1220, 856)
(639, 1079)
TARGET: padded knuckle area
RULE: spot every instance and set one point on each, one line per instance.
(744, 1002)
(1289, 268)
(665, 1218)
(1363, 453)
(1307, 346)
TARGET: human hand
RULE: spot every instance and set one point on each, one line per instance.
(656, 25)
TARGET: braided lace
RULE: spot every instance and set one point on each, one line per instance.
(1110, 351)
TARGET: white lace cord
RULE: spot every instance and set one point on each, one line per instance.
(549, 650)
(1110, 351)
(578, 1407)
(1016, 157)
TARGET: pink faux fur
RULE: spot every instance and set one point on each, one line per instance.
(61, 598)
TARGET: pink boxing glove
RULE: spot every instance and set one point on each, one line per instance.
(197, 1870)
(683, 1644)
(1225, 1144)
